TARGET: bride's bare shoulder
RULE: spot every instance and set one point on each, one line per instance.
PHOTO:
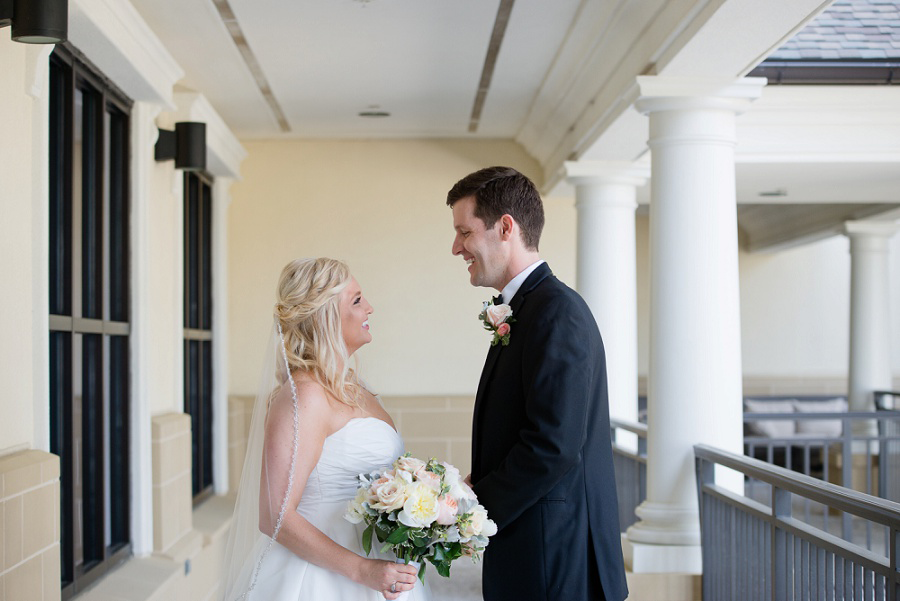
(312, 399)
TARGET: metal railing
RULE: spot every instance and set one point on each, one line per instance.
(757, 549)
(890, 451)
(629, 441)
(863, 454)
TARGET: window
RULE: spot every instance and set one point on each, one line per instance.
(198, 328)
(89, 316)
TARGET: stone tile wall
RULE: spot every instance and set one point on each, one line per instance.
(172, 498)
(240, 410)
(29, 526)
(435, 426)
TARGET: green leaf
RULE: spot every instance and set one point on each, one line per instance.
(422, 572)
(440, 553)
(454, 551)
(367, 538)
(379, 533)
(400, 535)
(443, 569)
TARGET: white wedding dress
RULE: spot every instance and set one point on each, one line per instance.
(363, 445)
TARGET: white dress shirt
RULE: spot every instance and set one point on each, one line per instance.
(509, 291)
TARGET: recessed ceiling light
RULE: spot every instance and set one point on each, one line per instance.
(778, 192)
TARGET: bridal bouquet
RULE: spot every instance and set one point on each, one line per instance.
(421, 510)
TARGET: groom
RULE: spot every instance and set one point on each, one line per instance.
(541, 451)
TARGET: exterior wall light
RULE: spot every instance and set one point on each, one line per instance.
(187, 145)
(36, 21)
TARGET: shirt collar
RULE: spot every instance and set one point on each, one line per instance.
(509, 291)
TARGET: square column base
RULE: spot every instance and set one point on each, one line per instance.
(643, 558)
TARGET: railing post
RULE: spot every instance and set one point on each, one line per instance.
(883, 454)
(894, 586)
(778, 553)
(706, 474)
(846, 472)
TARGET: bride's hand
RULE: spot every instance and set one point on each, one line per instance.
(381, 575)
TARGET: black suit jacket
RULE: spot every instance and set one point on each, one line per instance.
(542, 456)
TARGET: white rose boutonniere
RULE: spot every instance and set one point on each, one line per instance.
(496, 319)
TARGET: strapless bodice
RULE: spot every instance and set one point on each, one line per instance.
(363, 445)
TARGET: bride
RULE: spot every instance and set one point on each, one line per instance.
(315, 427)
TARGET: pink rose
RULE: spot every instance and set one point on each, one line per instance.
(502, 330)
(372, 492)
(429, 479)
(391, 494)
(447, 510)
(497, 314)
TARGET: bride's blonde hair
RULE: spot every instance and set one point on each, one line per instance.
(308, 310)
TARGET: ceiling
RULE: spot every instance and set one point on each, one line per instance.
(329, 60)
(557, 77)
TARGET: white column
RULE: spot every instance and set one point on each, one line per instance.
(605, 198)
(870, 307)
(694, 380)
(37, 85)
(143, 139)
(221, 201)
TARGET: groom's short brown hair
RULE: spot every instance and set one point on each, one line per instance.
(502, 191)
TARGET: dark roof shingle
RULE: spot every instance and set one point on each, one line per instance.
(847, 30)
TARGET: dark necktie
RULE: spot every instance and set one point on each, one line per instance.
(498, 300)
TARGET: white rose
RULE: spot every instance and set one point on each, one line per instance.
(421, 507)
(356, 512)
(460, 491)
(489, 528)
(391, 494)
(475, 523)
(497, 314)
(409, 464)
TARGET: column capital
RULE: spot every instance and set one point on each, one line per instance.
(879, 229)
(579, 173)
(666, 93)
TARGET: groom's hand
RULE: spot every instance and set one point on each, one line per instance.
(468, 480)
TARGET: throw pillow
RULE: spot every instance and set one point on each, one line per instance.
(831, 428)
(782, 428)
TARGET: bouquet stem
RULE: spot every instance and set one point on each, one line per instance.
(419, 581)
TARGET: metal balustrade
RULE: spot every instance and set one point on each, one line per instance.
(889, 478)
(760, 549)
(865, 456)
(630, 461)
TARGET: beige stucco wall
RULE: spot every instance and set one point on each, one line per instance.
(22, 203)
(379, 205)
(164, 309)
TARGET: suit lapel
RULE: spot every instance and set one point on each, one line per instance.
(535, 278)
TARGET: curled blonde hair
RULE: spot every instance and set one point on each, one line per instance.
(308, 311)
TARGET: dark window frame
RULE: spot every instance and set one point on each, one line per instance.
(198, 335)
(89, 321)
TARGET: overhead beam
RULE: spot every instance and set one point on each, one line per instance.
(490, 61)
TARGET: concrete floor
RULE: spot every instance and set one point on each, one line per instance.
(464, 583)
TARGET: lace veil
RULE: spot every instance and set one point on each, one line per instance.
(266, 479)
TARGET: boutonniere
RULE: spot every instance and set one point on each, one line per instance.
(496, 319)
